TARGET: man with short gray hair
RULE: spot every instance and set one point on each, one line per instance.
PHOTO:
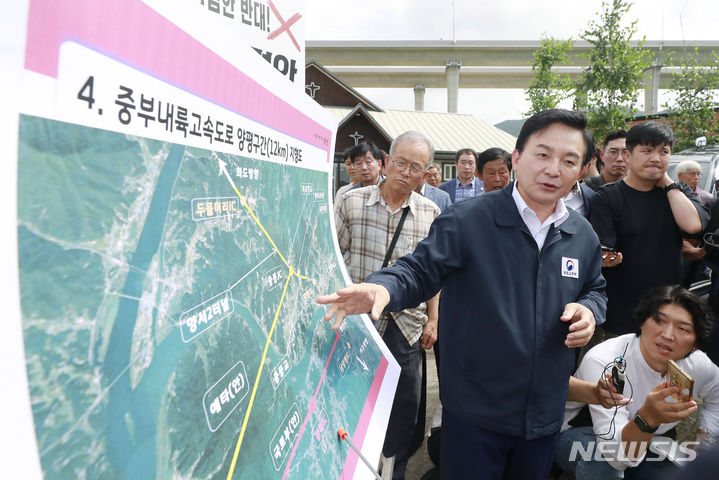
(427, 190)
(434, 175)
(690, 172)
(368, 221)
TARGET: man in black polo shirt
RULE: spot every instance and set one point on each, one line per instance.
(641, 220)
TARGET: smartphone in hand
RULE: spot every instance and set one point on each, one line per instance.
(680, 378)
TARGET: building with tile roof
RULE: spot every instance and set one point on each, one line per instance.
(360, 120)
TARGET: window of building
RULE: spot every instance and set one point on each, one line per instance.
(449, 170)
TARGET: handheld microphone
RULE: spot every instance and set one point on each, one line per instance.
(618, 376)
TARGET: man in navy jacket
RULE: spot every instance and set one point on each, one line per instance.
(521, 288)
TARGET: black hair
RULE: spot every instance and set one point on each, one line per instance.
(494, 153)
(651, 302)
(542, 120)
(613, 135)
(361, 149)
(462, 152)
(653, 134)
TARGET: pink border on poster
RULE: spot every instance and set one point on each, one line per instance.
(360, 432)
(127, 30)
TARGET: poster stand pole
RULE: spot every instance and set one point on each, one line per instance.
(342, 433)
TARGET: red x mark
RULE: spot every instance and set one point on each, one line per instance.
(285, 26)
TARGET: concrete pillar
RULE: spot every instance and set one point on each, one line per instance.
(452, 71)
(419, 98)
(651, 92)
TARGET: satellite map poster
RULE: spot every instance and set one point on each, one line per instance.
(174, 226)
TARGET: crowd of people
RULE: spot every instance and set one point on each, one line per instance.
(530, 290)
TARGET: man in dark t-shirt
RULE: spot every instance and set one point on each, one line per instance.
(641, 220)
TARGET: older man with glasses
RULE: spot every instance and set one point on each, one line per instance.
(377, 225)
(690, 172)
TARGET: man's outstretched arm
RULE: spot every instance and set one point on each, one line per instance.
(412, 279)
(355, 299)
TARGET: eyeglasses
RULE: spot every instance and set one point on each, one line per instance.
(614, 152)
(415, 168)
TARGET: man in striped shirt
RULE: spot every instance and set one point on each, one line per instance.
(367, 219)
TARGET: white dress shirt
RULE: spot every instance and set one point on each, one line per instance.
(539, 229)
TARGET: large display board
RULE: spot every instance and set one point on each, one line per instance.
(275, 29)
(173, 229)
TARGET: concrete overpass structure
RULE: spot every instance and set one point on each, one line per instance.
(472, 64)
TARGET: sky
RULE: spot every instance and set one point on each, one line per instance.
(493, 20)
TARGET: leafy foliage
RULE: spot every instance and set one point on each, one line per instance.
(608, 88)
(549, 88)
(691, 108)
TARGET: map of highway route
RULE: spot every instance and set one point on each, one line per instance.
(168, 311)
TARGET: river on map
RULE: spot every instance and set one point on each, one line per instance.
(132, 414)
(139, 407)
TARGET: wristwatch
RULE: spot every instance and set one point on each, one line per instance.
(672, 186)
(642, 424)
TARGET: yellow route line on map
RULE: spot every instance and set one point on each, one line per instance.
(292, 273)
(257, 220)
(259, 374)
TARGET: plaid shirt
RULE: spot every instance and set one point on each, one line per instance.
(472, 189)
(365, 227)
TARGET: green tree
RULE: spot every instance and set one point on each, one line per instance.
(692, 103)
(608, 88)
(549, 88)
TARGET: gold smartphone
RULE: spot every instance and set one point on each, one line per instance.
(680, 378)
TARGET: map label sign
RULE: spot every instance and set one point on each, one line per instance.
(225, 396)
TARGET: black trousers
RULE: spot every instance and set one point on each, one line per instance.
(468, 451)
(403, 417)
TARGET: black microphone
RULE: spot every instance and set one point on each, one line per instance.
(618, 377)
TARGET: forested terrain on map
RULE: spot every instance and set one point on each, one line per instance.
(154, 279)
